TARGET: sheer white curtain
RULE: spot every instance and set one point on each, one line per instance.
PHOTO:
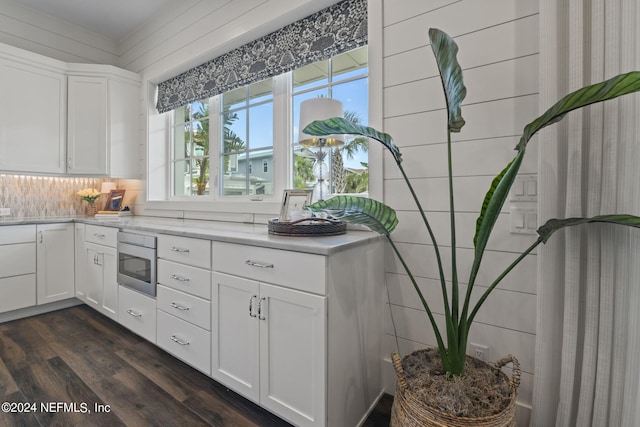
(588, 331)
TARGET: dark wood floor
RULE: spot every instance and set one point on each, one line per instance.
(77, 356)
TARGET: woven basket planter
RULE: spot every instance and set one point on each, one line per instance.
(409, 411)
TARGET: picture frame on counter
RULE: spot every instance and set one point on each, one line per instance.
(114, 201)
(292, 203)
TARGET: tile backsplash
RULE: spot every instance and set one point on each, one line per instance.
(43, 196)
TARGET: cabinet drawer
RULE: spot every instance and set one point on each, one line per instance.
(138, 313)
(186, 250)
(107, 236)
(184, 278)
(17, 259)
(186, 307)
(296, 270)
(17, 292)
(185, 341)
(17, 234)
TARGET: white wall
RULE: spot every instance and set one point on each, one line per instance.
(498, 42)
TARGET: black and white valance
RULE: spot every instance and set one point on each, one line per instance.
(336, 29)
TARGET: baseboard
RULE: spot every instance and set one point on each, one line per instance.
(371, 408)
(38, 309)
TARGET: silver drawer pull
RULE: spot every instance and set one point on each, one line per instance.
(99, 235)
(178, 340)
(181, 250)
(251, 313)
(261, 315)
(179, 278)
(258, 264)
(179, 307)
(134, 314)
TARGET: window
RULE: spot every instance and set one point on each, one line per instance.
(216, 140)
(247, 134)
(191, 149)
(345, 78)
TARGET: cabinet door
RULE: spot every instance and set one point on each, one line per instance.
(32, 118)
(293, 354)
(109, 261)
(80, 263)
(55, 271)
(87, 126)
(234, 334)
(93, 275)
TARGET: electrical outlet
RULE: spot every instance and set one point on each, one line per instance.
(479, 351)
(5, 211)
(248, 217)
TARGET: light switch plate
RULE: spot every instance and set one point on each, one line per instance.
(525, 189)
(523, 220)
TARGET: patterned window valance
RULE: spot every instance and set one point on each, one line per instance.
(336, 29)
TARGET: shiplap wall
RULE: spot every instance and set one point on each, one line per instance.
(498, 42)
(31, 30)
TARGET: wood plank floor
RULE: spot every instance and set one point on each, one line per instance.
(77, 356)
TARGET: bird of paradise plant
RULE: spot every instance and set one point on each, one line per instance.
(459, 312)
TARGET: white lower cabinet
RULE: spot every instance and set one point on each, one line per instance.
(300, 333)
(102, 283)
(185, 341)
(17, 267)
(80, 263)
(55, 262)
(137, 312)
(101, 260)
(268, 343)
(184, 299)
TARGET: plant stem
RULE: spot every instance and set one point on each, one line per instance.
(433, 240)
(485, 295)
(436, 330)
(453, 347)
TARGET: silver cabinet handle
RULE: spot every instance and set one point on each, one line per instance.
(179, 307)
(251, 313)
(69, 162)
(261, 315)
(133, 313)
(178, 340)
(179, 278)
(174, 249)
(41, 236)
(99, 235)
(258, 264)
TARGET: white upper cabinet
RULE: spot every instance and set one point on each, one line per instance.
(103, 122)
(62, 118)
(33, 116)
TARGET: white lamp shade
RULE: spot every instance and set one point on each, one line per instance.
(319, 109)
(107, 187)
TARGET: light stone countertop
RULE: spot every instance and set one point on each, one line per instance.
(232, 232)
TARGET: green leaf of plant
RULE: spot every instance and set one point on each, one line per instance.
(554, 225)
(359, 210)
(619, 85)
(338, 125)
(445, 50)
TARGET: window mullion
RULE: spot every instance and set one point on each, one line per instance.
(282, 132)
(215, 146)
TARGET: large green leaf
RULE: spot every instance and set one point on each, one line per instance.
(554, 225)
(359, 210)
(338, 125)
(619, 85)
(445, 50)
